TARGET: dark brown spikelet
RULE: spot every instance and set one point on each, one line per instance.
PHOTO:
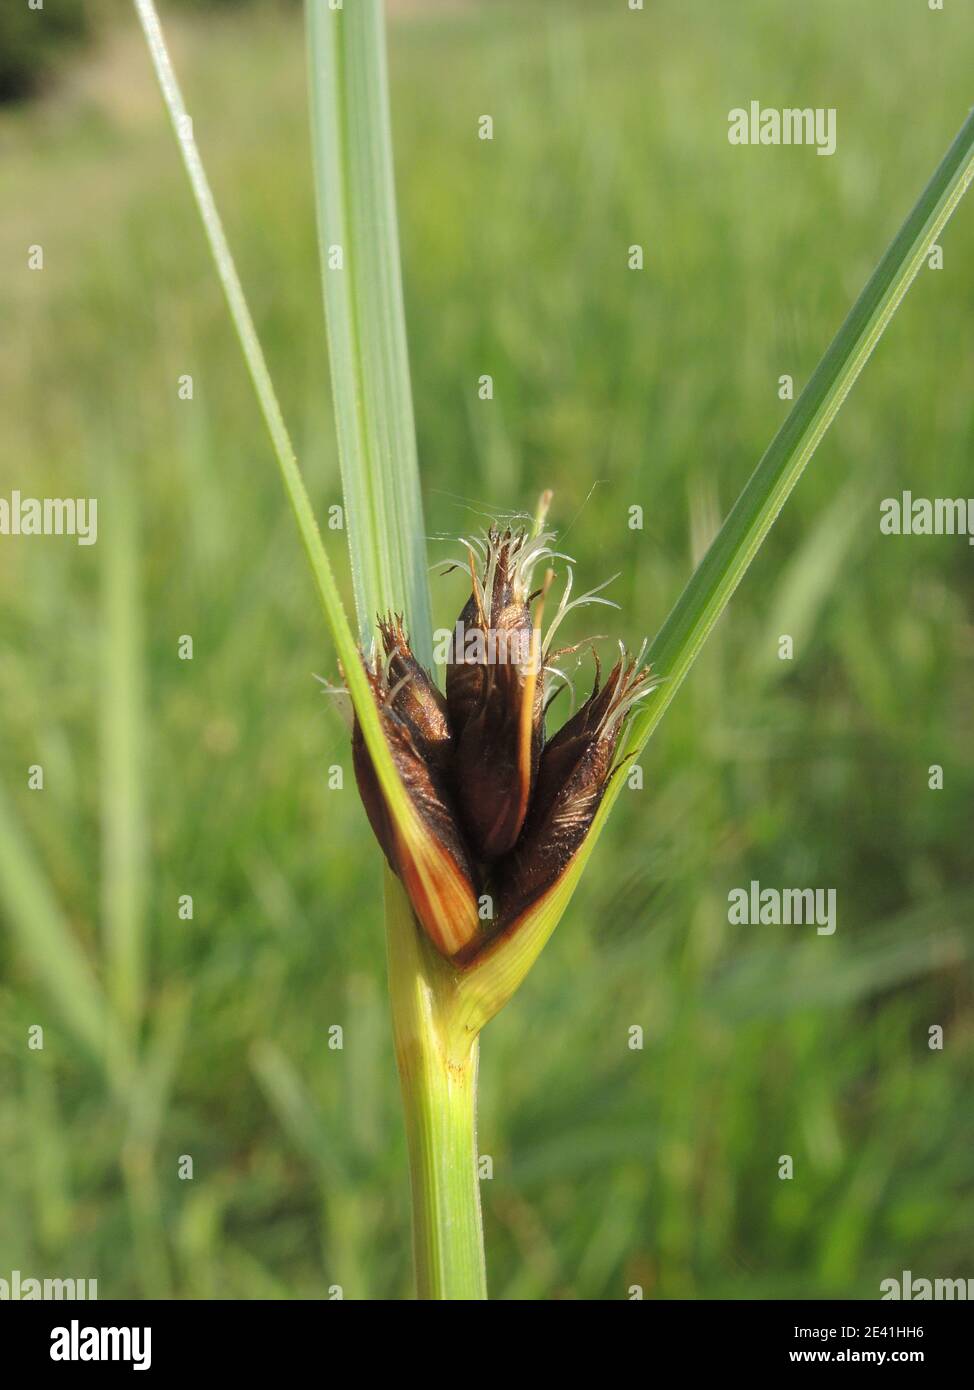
(495, 697)
(438, 874)
(574, 772)
(413, 696)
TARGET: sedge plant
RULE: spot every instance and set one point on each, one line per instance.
(538, 807)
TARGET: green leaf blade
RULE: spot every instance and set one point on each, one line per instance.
(362, 288)
(709, 590)
(291, 477)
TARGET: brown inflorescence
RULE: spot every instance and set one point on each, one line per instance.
(502, 811)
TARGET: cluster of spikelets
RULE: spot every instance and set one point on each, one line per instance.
(503, 810)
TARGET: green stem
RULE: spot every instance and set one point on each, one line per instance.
(437, 1058)
(352, 142)
(438, 1074)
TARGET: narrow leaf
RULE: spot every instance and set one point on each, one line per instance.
(294, 485)
(123, 815)
(359, 244)
(50, 947)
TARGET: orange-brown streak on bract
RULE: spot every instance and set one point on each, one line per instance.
(450, 920)
(527, 706)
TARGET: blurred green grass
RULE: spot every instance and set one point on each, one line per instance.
(611, 1167)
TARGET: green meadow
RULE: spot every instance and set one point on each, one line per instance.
(212, 1037)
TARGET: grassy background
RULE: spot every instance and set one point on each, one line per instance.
(163, 777)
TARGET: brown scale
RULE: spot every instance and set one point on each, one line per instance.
(575, 770)
(413, 722)
(414, 697)
(499, 740)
